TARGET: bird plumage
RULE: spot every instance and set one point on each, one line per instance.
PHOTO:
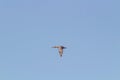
(60, 49)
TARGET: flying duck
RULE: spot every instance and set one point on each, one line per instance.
(60, 49)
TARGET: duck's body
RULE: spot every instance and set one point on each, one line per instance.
(60, 49)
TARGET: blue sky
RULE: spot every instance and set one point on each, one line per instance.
(90, 30)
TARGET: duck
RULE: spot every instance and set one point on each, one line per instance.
(60, 49)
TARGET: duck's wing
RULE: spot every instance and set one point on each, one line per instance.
(55, 47)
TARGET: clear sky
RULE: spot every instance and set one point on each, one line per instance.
(90, 29)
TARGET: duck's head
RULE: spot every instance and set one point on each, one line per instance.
(63, 47)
